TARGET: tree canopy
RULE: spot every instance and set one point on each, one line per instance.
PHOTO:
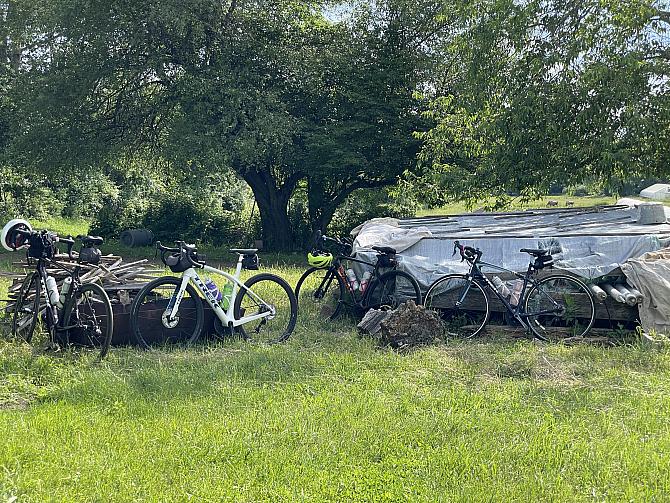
(553, 91)
(274, 90)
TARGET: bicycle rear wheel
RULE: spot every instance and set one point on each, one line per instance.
(320, 292)
(461, 303)
(27, 308)
(146, 314)
(88, 319)
(559, 306)
(267, 292)
(392, 289)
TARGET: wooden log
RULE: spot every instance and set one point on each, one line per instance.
(560, 333)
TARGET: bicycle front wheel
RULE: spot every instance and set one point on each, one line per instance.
(461, 303)
(320, 293)
(27, 308)
(267, 293)
(147, 320)
(559, 306)
(392, 289)
(88, 319)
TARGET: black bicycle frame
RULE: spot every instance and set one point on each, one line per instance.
(74, 274)
(334, 269)
(475, 273)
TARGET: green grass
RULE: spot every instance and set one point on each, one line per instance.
(461, 207)
(328, 417)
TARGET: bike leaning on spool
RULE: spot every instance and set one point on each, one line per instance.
(169, 309)
(554, 305)
(79, 314)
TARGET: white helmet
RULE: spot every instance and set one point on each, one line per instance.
(12, 241)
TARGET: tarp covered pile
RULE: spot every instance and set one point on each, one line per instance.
(589, 242)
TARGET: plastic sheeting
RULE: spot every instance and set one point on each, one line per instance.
(587, 242)
(650, 274)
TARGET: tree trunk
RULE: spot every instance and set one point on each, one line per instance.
(273, 208)
(277, 231)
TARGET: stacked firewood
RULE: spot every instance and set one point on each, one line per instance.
(117, 277)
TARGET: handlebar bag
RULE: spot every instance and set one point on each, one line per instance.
(42, 245)
(177, 263)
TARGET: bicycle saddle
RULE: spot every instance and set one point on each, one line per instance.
(534, 252)
(91, 240)
(385, 249)
(244, 251)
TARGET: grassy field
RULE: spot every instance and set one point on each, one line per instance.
(329, 416)
(456, 208)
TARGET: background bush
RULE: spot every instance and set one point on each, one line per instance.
(363, 205)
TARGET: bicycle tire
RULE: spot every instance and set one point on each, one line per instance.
(577, 310)
(388, 291)
(327, 303)
(466, 320)
(24, 327)
(90, 311)
(148, 306)
(245, 304)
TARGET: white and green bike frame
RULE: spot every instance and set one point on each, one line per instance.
(171, 314)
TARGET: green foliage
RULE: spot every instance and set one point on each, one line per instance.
(363, 205)
(173, 204)
(276, 91)
(547, 93)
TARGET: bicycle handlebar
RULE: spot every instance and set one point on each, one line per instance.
(467, 252)
(184, 251)
(322, 238)
(58, 239)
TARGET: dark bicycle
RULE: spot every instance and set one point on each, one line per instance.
(79, 314)
(556, 304)
(326, 286)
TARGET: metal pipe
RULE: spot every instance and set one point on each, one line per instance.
(637, 294)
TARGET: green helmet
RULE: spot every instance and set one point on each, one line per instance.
(319, 259)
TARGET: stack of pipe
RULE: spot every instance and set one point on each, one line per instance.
(620, 292)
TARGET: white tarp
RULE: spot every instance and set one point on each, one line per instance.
(387, 232)
(587, 242)
(650, 274)
(657, 192)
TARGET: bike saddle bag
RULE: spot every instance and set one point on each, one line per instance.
(387, 260)
(543, 261)
(250, 262)
(42, 245)
(90, 255)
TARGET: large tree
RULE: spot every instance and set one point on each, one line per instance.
(278, 91)
(540, 92)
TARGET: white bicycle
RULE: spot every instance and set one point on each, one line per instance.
(170, 310)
